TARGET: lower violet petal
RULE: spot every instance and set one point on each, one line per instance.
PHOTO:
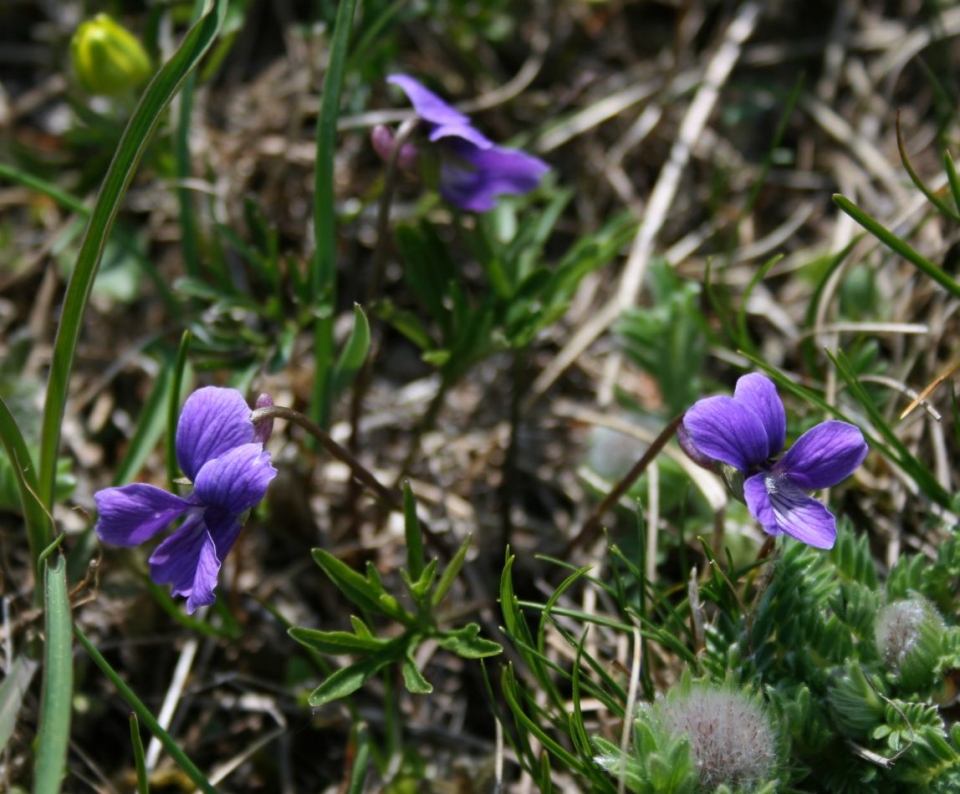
(134, 513)
(205, 578)
(793, 512)
(759, 504)
(472, 178)
(175, 561)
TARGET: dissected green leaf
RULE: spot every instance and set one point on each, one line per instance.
(468, 643)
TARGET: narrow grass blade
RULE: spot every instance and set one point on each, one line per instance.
(953, 179)
(37, 519)
(56, 702)
(133, 144)
(12, 690)
(173, 407)
(150, 425)
(189, 234)
(901, 247)
(323, 273)
(932, 197)
(360, 745)
(143, 713)
(139, 759)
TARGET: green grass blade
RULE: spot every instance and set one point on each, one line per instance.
(323, 272)
(143, 713)
(901, 247)
(953, 180)
(130, 151)
(56, 702)
(36, 517)
(932, 197)
(150, 425)
(139, 759)
(360, 741)
(173, 407)
(189, 233)
(12, 690)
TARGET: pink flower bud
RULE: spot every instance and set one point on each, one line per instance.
(263, 428)
(382, 138)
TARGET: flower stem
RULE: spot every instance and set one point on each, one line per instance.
(340, 453)
(592, 525)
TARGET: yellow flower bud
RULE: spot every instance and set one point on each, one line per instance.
(107, 58)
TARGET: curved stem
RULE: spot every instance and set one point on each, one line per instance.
(591, 526)
(340, 453)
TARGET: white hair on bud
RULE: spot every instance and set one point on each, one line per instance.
(899, 626)
(731, 740)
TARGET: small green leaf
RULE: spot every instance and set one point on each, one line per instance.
(366, 594)
(420, 588)
(336, 643)
(436, 357)
(467, 643)
(413, 679)
(451, 572)
(354, 351)
(406, 322)
(360, 628)
(348, 680)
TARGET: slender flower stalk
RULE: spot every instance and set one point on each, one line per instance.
(746, 432)
(221, 452)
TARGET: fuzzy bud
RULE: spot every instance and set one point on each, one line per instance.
(382, 138)
(263, 428)
(107, 58)
(908, 639)
(731, 740)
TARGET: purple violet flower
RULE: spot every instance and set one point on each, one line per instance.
(473, 171)
(747, 430)
(222, 454)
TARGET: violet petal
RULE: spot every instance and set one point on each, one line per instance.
(473, 178)
(428, 105)
(213, 421)
(725, 429)
(237, 480)
(189, 559)
(464, 132)
(758, 393)
(782, 508)
(759, 504)
(174, 561)
(824, 455)
(134, 513)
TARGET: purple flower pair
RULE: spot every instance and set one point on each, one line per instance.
(473, 172)
(221, 452)
(747, 431)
